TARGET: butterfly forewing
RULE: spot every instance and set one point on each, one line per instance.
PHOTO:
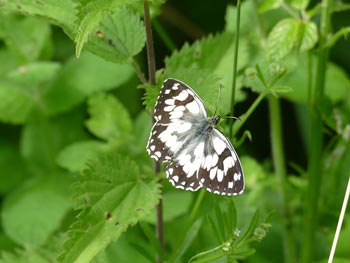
(199, 155)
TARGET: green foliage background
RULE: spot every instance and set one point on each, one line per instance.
(76, 184)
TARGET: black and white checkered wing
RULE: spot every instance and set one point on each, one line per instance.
(199, 155)
(175, 104)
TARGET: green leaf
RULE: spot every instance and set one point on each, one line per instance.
(118, 37)
(336, 86)
(213, 54)
(190, 236)
(99, 10)
(75, 156)
(109, 120)
(247, 19)
(16, 103)
(42, 138)
(21, 89)
(268, 5)
(24, 256)
(177, 204)
(299, 4)
(27, 47)
(61, 13)
(80, 78)
(112, 196)
(12, 167)
(34, 75)
(307, 36)
(281, 39)
(32, 212)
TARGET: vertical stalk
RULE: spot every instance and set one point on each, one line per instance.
(315, 154)
(152, 80)
(281, 174)
(235, 59)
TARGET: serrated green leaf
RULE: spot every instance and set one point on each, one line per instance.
(22, 88)
(80, 78)
(205, 53)
(75, 156)
(282, 38)
(307, 36)
(62, 13)
(26, 47)
(98, 10)
(205, 84)
(118, 37)
(213, 54)
(109, 120)
(112, 196)
(20, 218)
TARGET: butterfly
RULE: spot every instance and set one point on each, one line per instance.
(197, 154)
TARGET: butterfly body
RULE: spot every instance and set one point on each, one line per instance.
(198, 154)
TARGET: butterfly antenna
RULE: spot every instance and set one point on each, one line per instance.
(217, 99)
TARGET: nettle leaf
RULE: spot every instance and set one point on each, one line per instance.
(61, 13)
(20, 218)
(27, 47)
(20, 89)
(90, 15)
(288, 34)
(282, 38)
(75, 156)
(307, 36)
(205, 53)
(112, 196)
(118, 36)
(82, 77)
(202, 81)
(213, 54)
(109, 120)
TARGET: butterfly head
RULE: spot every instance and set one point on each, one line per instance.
(213, 121)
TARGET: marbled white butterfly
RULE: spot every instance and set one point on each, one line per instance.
(198, 154)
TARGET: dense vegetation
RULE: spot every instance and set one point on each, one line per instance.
(76, 184)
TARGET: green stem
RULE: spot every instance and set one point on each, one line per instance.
(316, 143)
(152, 79)
(235, 59)
(163, 35)
(281, 174)
(245, 116)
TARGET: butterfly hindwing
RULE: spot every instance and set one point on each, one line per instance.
(198, 154)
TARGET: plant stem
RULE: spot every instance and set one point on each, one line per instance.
(235, 59)
(152, 80)
(149, 44)
(315, 153)
(245, 116)
(281, 174)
